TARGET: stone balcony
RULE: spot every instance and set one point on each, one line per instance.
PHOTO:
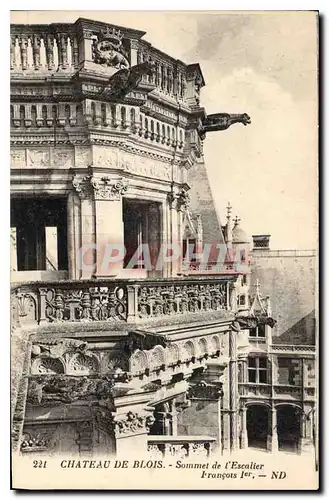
(90, 301)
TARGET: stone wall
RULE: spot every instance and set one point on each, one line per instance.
(289, 278)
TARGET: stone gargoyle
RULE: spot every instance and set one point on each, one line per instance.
(222, 121)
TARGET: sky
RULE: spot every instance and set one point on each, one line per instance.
(260, 63)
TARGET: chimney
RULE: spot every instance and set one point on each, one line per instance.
(261, 241)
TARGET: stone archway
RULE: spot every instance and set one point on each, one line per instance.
(289, 428)
(257, 425)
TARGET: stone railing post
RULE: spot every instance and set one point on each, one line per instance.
(132, 303)
(42, 306)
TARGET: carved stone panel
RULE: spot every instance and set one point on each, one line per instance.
(148, 167)
(38, 157)
(105, 157)
(17, 158)
(82, 156)
(62, 157)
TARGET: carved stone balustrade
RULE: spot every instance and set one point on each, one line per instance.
(180, 447)
(117, 300)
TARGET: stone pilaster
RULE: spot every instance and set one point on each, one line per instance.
(102, 224)
(244, 431)
(272, 440)
(73, 234)
(234, 394)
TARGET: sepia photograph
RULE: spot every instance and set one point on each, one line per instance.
(164, 250)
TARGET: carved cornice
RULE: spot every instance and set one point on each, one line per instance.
(101, 189)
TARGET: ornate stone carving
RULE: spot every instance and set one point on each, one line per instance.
(62, 157)
(107, 190)
(47, 366)
(88, 304)
(82, 186)
(205, 391)
(179, 201)
(38, 157)
(37, 440)
(133, 423)
(82, 156)
(56, 348)
(169, 300)
(155, 452)
(85, 364)
(108, 49)
(242, 322)
(103, 188)
(143, 340)
(25, 307)
(148, 168)
(179, 451)
(125, 80)
(222, 121)
(67, 389)
(105, 157)
(17, 158)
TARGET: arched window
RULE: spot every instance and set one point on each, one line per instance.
(163, 134)
(158, 132)
(146, 124)
(152, 130)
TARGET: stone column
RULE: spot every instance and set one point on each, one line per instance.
(244, 431)
(73, 234)
(272, 441)
(85, 258)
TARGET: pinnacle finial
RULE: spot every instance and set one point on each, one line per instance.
(257, 285)
(228, 211)
(236, 220)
